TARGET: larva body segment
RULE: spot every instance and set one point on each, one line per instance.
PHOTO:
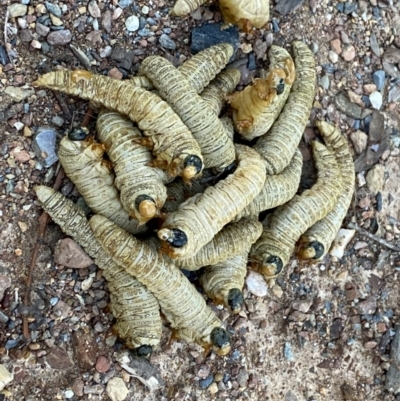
(142, 81)
(173, 145)
(224, 84)
(315, 243)
(288, 222)
(232, 240)
(229, 128)
(83, 163)
(142, 190)
(224, 281)
(279, 144)
(134, 307)
(245, 13)
(256, 107)
(198, 219)
(217, 149)
(185, 7)
(181, 304)
(277, 190)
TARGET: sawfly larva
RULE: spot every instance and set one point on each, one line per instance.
(277, 190)
(181, 304)
(202, 216)
(83, 163)
(288, 222)
(224, 84)
(200, 69)
(173, 144)
(138, 320)
(257, 107)
(246, 14)
(216, 147)
(229, 128)
(279, 144)
(315, 243)
(141, 187)
(224, 281)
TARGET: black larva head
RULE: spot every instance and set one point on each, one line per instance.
(276, 262)
(144, 351)
(195, 161)
(220, 340)
(235, 300)
(280, 87)
(78, 134)
(319, 249)
(178, 238)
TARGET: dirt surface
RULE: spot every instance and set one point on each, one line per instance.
(323, 332)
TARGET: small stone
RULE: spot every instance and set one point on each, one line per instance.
(125, 3)
(375, 179)
(23, 226)
(359, 140)
(59, 38)
(25, 35)
(336, 328)
(314, 47)
(20, 156)
(97, 389)
(288, 6)
(242, 377)
(94, 37)
(44, 146)
(58, 121)
(205, 383)
(374, 45)
(53, 8)
(392, 55)
(86, 284)
(5, 377)
(376, 127)
(69, 394)
(166, 42)
(106, 21)
(10, 344)
(5, 282)
(379, 79)
(256, 284)
(347, 107)
(367, 307)
(333, 57)
(202, 371)
(36, 44)
(343, 238)
(85, 347)
(287, 352)
(22, 23)
(213, 389)
(94, 9)
(132, 23)
(302, 306)
(349, 53)
(394, 94)
(277, 290)
(336, 46)
(55, 20)
(102, 364)
(376, 100)
(116, 389)
(145, 10)
(324, 82)
(117, 13)
(69, 253)
(77, 387)
(58, 359)
(115, 73)
(18, 94)
(61, 310)
(370, 344)
(17, 10)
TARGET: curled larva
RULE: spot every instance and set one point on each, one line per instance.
(316, 241)
(173, 144)
(257, 107)
(277, 190)
(246, 14)
(224, 84)
(138, 320)
(141, 187)
(288, 222)
(181, 304)
(279, 144)
(198, 219)
(216, 147)
(200, 69)
(223, 282)
(83, 163)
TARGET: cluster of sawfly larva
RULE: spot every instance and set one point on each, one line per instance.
(181, 167)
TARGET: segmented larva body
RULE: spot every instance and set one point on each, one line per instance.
(315, 243)
(232, 240)
(277, 190)
(279, 144)
(142, 190)
(200, 69)
(288, 222)
(173, 144)
(181, 304)
(198, 219)
(84, 165)
(185, 7)
(229, 128)
(224, 281)
(257, 107)
(224, 84)
(133, 305)
(217, 149)
(245, 13)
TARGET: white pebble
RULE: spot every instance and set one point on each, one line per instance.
(132, 23)
(256, 284)
(86, 284)
(343, 237)
(376, 100)
(18, 125)
(333, 57)
(69, 394)
(145, 10)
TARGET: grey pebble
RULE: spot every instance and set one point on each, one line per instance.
(167, 30)
(125, 3)
(166, 42)
(3, 56)
(67, 188)
(205, 383)
(252, 65)
(324, 82)
(275, 25)
(394, 94)
(25, 2)
(57, 121)
(287, 352)
(314, 47)
(59, 38)
(145, 32)
(11, 344)
(374, 45)
(53, 301)
(344, 104)
(3, 317)
(45, 48)
(379, 79)
(151, 21)
(44, 144)
(41, 29)
(53, 8)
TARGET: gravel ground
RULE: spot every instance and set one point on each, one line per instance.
(322, 331)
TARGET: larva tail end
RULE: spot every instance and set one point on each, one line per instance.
(235, 300)
(43, 193)
(193, 165)
(312, 250)
(174, 237)
(144, 351)
(41, 81)
(221, 341)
